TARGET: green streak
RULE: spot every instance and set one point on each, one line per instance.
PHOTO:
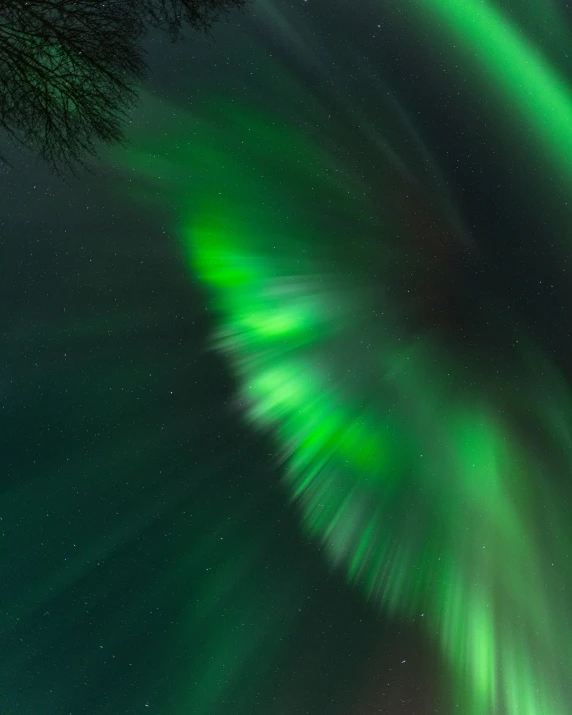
(513, 70)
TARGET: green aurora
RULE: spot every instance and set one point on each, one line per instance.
(425, 473)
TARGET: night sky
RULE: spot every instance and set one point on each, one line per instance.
(286, 405)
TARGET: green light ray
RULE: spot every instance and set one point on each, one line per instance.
(513, 70)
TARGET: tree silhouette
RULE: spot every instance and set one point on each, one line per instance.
(69, 68)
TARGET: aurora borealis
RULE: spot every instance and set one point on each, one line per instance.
(328, 424)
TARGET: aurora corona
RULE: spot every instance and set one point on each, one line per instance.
(419, 466)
